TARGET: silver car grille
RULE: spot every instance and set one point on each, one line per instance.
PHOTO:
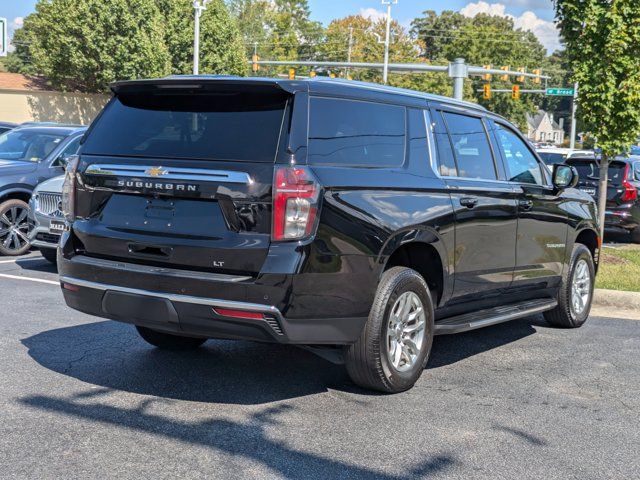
(49, 204)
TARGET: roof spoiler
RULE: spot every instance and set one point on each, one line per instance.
(202, 81)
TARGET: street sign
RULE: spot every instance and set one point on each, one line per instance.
(4, 37)
(560, 92)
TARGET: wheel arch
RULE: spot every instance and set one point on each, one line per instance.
(19, 192)
(423, 251)
(590, 239)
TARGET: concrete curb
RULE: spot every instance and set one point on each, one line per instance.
(617, 299)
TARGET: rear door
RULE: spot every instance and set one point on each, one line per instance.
(589, 175)
(542, 218)
(182, 176)
(485, 206)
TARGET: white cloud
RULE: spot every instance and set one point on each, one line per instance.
(373, 14)
(546, 31)
(17, 22)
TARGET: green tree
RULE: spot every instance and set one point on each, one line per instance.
(85, 45)
(221, 45)
(19, 61)
(484, 40)
(602, 38)
(363, 34)
(254, 18)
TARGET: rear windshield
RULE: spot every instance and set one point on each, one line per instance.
(590, 171)
(220, 125)
(552, 158)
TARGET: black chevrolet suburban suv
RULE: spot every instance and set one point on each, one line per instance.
(353, 219)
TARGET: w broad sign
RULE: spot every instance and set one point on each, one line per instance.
(4, 37)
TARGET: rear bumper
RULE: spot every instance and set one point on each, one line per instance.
(620, 220)
(297, 308)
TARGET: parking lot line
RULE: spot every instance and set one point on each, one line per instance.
(29, 279)
(22, 260)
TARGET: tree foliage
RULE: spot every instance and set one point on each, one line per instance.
(602, 38)
(483, 40)
(221, 46)
(86, 45)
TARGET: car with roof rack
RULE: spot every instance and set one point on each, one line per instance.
(355, 220)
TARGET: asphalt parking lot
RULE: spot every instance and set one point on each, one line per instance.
(86, 398)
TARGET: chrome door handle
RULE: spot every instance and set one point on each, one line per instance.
(468, 202)
(525, 205)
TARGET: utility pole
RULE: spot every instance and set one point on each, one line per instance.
(199, 7)
(350, 47)
(385, 70)
(458, 71)
(574, 108)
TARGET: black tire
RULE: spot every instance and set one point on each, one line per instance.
(367, 360)
(15, 246)
(167, 341)
(564, 315)
(50, 255)
(635, 235)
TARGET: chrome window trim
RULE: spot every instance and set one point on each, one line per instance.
(172, 173)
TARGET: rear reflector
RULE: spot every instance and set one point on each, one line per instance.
(226, 312)
(71, 288)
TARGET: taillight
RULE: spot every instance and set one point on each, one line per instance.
(296, 193)
(630, 193)
(69, 188)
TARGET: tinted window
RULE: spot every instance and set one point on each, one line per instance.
(220, 125)
(552, 158)
(418, 146)
(589, 170)
(346, 132)
(521, 164)
(446, 160)
(27, 145)
(471, 146)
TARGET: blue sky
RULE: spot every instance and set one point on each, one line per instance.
(535, 15)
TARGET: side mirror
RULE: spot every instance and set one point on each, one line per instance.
(61, 161)
(564, 176)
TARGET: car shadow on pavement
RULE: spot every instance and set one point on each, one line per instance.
(111, 355)
(36, 264)
(248, 440)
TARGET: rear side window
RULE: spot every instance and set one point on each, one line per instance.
(213, 125)
(471, 146)
(446, 160)
(349, 132)
(522, 165)
(589, 170)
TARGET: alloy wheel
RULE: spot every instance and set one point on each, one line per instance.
(580, 287)
(405, 331)
(14, 228)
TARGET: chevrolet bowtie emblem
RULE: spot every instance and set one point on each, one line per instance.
(156, 172)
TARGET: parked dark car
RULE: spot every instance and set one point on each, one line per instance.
(351, 218)
(6, 126)
(622, 214)
(28, 156)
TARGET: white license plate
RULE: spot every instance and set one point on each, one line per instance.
(56, 227)
(590, 191)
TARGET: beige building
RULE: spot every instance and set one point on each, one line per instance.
(543, 128)
(29, 99)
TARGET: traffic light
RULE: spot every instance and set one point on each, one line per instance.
(486, 91)
(537, 80)
(312, 74)
(332, 75)
(515, 92)
(292, 74)
(520, 78)
(255, 66)
(487, 76)
(504, 78)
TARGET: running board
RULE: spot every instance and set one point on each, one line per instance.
(492, 316)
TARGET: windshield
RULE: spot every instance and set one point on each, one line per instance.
(635, 150)
(228, 125)
(27, 146)
(552, 158)
(590, 171)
